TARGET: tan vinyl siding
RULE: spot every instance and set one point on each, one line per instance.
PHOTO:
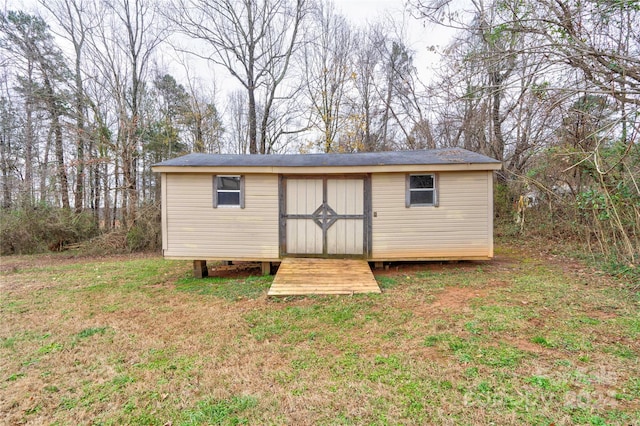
(461, 226)
(163, 218)
(194, 229)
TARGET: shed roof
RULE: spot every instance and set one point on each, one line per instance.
(445, 156)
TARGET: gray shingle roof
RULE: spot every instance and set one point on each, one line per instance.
(433, 156)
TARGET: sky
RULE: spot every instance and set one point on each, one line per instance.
(360, 12)
(420, 37)
(218, 83)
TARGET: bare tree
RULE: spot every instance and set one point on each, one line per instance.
(489, 75)
(254, 40)
(123, 47)
(202, 119)
(367, 104)
(328, 70)
(559, 88)
(239, 129)
(602, 40)
(397, 89)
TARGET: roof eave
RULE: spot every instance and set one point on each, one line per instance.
(321, 170)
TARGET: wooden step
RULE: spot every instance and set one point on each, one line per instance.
(302, 276)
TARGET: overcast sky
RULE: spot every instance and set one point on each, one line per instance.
(420, 38)
(368, 9)
(359, 12)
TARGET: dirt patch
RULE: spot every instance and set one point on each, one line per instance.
(237, 270)
(527, 346)
(451, 299)
(581, 272)
(601, 314)
(407, 268)
(431, 353)
(454, 298)
(536, 322)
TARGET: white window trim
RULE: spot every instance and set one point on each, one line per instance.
(408, 190)
(216, 191)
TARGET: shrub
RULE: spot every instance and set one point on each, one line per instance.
(41, 227)
(145, 233)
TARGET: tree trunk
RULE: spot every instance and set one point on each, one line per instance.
(27, 188)
(44, 168)
(62, 173)
(108, 221)
(80, 139)
(54, 111)
(94, 183)
(253, 128)
(199, 142)
(5, 147)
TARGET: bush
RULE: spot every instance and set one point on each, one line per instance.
(41, 227)
(595, 207)
(503, 200)
(145, 234)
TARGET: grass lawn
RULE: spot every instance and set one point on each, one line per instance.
(524, 339)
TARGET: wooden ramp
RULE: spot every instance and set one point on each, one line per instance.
(300, 276)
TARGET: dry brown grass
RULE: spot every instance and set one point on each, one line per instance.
(132, 340)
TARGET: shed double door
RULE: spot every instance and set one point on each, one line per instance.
(325, 216)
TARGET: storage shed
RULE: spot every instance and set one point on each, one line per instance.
(383, 206)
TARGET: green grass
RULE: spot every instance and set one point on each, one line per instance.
(234, 289)
(88, 332)
(219, 412)
(387, 282)
(137, 341)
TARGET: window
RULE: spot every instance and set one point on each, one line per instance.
(228, 191)
(421, 190)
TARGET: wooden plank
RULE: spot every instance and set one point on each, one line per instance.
(302, 276)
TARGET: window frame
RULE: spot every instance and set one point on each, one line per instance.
(216, 191)
(409, 190)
